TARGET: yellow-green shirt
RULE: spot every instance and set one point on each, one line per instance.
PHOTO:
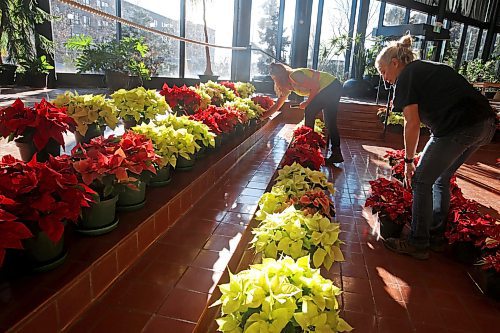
(324, 80)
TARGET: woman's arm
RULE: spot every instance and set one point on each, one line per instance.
(276, 106)
(411, 136)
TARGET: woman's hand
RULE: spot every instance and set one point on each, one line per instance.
(409, 171)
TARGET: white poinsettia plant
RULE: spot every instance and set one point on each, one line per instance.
(296, 234)
(139, 104)
(280, 296)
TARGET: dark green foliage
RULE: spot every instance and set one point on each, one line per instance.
(127, 55)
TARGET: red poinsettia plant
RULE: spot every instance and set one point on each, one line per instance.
(491, 261)
(389, 198)
(220, 119)
(182, 100)
(397, 163)
(314, 201)
(306, 155)
(105, 162)
(264, 101)
(39, 123)
(230, 85)
(12, 232)
(42, 195)
(466, 223)
(306, 135)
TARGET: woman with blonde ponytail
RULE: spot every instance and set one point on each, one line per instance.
(323, 92)
(460, 120)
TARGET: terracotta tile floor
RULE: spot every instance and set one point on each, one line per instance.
(168, 288)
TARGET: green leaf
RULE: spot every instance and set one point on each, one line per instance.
(318, 257)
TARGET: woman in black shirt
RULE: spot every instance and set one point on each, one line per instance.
(460, 120)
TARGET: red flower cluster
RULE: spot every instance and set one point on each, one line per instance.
(467, 224)
(104, 162)
(230, 85)
(389, 198)
(396, 161)
(11, 232)
(306, 155)
(41, 122)
(314, 201)
(41, 196)
(306, 135)
(182, 100)
(491, 261)
(220, 119)
(264, 101)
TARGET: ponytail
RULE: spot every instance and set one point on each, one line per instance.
(400, 50)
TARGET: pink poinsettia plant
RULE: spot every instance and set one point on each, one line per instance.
(389, 198)
(106, 162)
(264, 101)
(39, 123)
(314, 201)
(182, 100)
(42, 196)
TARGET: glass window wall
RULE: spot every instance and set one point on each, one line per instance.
(394, 15)
(71, 22)
(163, 57)
(219, 19)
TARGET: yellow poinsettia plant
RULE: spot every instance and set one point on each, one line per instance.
(139, 104)
(168, 142)
(280, 296)
(199, 130)
(296, 233)
(87, 110)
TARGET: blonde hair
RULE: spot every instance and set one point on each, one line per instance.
(281, 76)
(400, 50)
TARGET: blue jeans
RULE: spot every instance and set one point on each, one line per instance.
(442, 156)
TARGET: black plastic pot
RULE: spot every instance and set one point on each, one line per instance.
(99, 218)
(389, 228)
(7, 74)
(357, 88)
(43, 254)
(205, 78)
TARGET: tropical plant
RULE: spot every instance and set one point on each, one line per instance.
(42, 195)
(41, 123)
(280, 296)
(477, 70)
(139, 104)
(127, 55)
(371, 55)
(17, 30)
(87, 110)
(34, 66)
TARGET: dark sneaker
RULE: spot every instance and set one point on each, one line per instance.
(403, 247)
(438, 244)
(336, 156)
